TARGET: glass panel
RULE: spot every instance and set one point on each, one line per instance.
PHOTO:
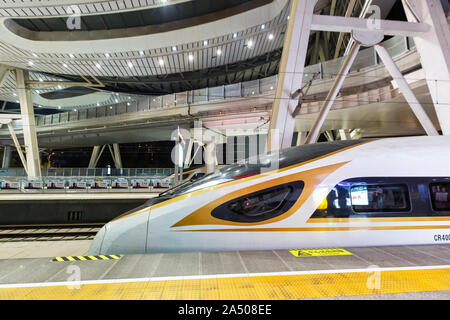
(440, 196)
(380, 198)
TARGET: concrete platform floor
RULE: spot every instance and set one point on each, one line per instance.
(406, 272)
(43, 249)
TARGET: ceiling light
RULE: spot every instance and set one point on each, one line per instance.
(250, 43)
(59, 107)
(35, 55)
(15, 94)
(191, 57)
(98, 66)
(141, 53)
(288, 17)
(128, 104)
(234, 35)
(37, 91)
(30, 63)
(107, 55)
(174, 48)
(130, 65)
(75, 110)
(161, 62)
(205, 43)
(111, 107)
(219, 52)
(263, 26)
(98, 104)
(117, 100)
(39, 106)
(71, 56)
(60, 87)
(64, 65)
(40, 80)
(270, 36)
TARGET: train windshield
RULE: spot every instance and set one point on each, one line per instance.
(259, 164)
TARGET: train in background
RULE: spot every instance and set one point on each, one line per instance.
(392, 191)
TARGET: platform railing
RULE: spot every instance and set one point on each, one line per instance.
(86, 172)
(396, 46)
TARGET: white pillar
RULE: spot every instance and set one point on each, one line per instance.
(94, 157)
(118, 158)
(18, 148)
(6, 163)
(29, 124)
(187, 159)
(434, 50)
(344, 134)
(210, 157)
(301, 138)
(337, 84)
(329, 135)
(290, 74)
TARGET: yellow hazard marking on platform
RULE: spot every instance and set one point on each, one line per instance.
(320, 252)
(87, 258)
(249, 288)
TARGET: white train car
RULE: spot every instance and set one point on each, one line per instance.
(391, 191)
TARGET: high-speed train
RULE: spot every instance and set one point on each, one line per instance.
(393, 191)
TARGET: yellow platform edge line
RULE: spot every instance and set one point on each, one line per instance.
(271, 287)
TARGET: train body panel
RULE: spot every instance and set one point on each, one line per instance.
(325, 200)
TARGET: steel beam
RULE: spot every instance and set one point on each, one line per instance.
(117, 157)
(401, 82)
(290, 74)
(329, 100)
(18, 147)
(348, 24)
(28, 124)
(434, 50)
(6, 163)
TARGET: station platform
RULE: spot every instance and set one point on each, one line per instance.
(407, 272)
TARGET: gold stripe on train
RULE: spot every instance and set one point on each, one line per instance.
(306, 229)
(380, 219)
(226, 184)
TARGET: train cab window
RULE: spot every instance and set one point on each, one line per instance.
(261, 205)
(440, 196)
(379, 198)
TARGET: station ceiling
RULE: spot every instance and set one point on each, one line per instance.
(211, 42)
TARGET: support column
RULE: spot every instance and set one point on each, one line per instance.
(401, 82)
(210, 157)
(434, 50)
(301, 138)
(344, 134)
(29, 124)
(187, 159)
(328, 103)
(18, 148)
(290, 75)
(7, 150)
(329, 135)
(94, 157)
(117, 157)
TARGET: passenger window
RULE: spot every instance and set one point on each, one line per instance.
(261, 205)
(440, 197)
(379, 198)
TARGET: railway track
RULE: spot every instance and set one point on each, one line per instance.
(51, 232)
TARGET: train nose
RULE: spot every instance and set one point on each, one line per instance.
(124, 236)
(96, 246)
